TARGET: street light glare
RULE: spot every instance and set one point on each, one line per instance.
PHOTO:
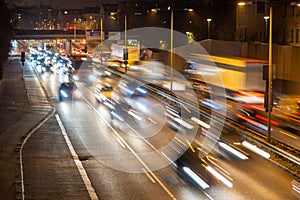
(209, 20)
(241, 4)
(189, 9)
(155, 9)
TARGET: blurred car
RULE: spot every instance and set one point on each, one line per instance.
(103, 92)
(131, 88)
(33, 57)
(201, 168)
(68, 90)
(40, 64)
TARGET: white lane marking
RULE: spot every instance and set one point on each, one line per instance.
(89, 106)
(151, 120)
(22, 147)
(84, 176)
(121, 143)
(133, 152)
(150, 177)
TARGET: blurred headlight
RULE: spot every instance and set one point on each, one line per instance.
(76, 78)
(64, 93)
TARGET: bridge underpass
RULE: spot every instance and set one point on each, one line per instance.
(47, 34)
(24, 38)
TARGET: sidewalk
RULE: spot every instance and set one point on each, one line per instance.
(49, 170)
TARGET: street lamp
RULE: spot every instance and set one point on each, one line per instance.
(74, 28)
(208, 28)
(270, 75)
(266, 19)
(125, 43)
(101, 31)
(171, 46)
(270, 68)
(171, 37)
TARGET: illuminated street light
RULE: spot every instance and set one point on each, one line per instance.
(155, 10)
(295, 4)
(171, 37)
(266, 19)
(270, 67)
(208, 28)
(189, 9)
(241, 4)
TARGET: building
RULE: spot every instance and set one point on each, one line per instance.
(45, 17)
(252, 21)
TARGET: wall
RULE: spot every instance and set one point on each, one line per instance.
(285, 58)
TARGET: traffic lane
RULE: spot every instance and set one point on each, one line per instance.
(232, 194)
(82, 124)
(116, 184)
(180, 188)
(51, 83)
(141, 144)
(254, 178)
(289, 138)
(233, 109)
(181, 185)
(169, 182)
(100, 146)
(257, 178)
(284, 136)
(259, 124)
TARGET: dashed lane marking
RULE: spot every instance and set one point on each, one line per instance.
(78, 163)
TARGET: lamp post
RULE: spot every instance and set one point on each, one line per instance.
(101, 31)
(208, 28)
(266, 19)
(270, 67)
(171, 52)
(74, 28)
(125, 43)
(171, 37)
(270, 75)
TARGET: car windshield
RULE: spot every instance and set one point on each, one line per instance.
(67, 86)
(107, 88)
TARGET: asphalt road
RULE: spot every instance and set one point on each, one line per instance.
(111, 154)
(111, 159)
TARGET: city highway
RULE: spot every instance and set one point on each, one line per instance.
(112, 154)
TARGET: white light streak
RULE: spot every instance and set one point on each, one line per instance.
(219, 176)
(196, 178)
(233, 151)
(183, 123)
(256, 149)
(201, 123)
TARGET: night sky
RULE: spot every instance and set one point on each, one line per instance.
(65, 3)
